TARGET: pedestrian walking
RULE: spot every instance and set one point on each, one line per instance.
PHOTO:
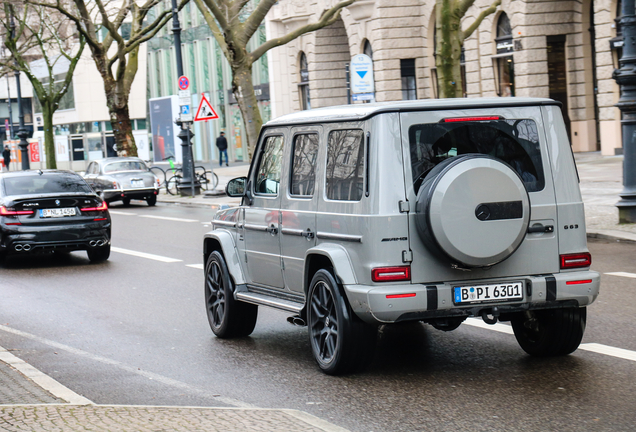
(6, 155)
(221, 144)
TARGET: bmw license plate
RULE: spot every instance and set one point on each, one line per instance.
(471, 294)
(57, 212)
(137, 183)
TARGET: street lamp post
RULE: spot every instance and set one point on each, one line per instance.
(625, 76)
(188, 184)
(22, 132)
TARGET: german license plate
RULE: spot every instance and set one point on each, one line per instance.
(57, 212)
(137, 183)
(471, 294)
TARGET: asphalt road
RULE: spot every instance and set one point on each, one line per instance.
(133, 330)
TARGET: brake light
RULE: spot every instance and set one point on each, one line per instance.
(115, 185)
(6, 212)
(470, 119)
(577, 260)
(101, 207)
(391, 274)
(158, 183)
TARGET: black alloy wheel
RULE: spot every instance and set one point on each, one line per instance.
(340, 341)
(550, 333)
(228, 318)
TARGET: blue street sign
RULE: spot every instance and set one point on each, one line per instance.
(185, 109)
(362, 74)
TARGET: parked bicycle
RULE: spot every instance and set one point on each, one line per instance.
(206, 178)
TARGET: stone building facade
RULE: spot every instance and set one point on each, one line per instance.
(566, 50)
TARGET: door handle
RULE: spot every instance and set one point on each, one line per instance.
(272, 229)
(539, 228)
(307, 234)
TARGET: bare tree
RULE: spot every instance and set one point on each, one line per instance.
(116, 54)
(39, 38)
(450, 39)
(233, 23)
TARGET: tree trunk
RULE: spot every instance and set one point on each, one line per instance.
(49, 138)
(449, 50)
(122, 130)
(243, 90)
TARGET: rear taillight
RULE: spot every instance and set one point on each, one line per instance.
(6, 212)
(391, 274)
(101, 207)
(115, 185)
(158, 183)
(577, 260)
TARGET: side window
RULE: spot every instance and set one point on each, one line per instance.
(269, 167)
(345, 165)
(303, 173)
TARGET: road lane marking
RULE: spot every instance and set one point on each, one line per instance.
(169, 218)
(46, 382)
(196, 266)
(131, 369)
(121, 213)
(623, 274)
(591, 347)
(145, 255)
(609, 350)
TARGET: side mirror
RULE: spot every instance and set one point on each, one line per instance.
(236, 187)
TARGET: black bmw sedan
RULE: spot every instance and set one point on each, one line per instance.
(52, 211)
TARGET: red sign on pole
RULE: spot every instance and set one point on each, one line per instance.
(184, 82)
(205, 111)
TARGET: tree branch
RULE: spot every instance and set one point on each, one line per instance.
(484, 13)
(214, 28)
(330, 17)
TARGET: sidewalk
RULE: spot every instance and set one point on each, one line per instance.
(32, 401)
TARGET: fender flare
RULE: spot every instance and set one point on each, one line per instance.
(339, 258)
(223, 240)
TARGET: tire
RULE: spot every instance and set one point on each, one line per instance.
(203, 181)
(552, 332)
(228, 318)
(172, 185)
(340, 341)
(474, 209)
(99, 254)
(152, 200)
(126, 202)
(214, 179)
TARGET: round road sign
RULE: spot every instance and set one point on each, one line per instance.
(184, 82)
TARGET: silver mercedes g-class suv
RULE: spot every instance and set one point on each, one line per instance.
(434, 211)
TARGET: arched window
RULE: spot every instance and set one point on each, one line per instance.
(303, 86)
(503, 62)
(367, 49)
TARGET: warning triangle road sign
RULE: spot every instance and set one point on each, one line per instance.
(205, 111)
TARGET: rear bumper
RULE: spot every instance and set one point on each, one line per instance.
(139, 193)
(24, 239)
(431, 301)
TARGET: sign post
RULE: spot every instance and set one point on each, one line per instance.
(362, 81)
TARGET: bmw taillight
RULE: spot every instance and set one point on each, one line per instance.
(6, 212)
(101, 207)
(576, 260)
(391, 274)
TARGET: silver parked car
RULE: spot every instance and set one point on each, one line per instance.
(123, 179)
(434, 211)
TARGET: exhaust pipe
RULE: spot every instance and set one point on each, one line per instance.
(26, 247)
(18, 247)
(297, 321)
(93, 243)
(100, 242)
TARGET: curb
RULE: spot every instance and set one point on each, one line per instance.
(612, 235)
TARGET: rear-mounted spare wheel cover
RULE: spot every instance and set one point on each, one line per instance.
(473, 208)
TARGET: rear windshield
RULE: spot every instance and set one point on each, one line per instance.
(46, 183)
(515, 142)
(125, 166)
